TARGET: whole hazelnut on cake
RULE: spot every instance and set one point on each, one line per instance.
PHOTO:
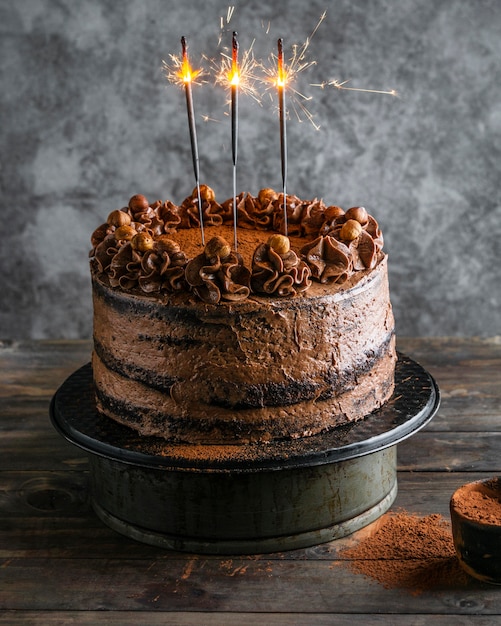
(350, 230)
(124, 233)
(280, 244)
(119, 218)
(358, 213)
(165, 244)
(333, 212)
(142, 242)
(266, 196)
(206, 193)
(138, 204)
(217, 247)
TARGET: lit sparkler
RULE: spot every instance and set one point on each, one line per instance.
(281, 83)
(234, 79)
(181, 73)
(236, 73)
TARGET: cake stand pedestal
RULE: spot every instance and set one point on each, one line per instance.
(246, 499)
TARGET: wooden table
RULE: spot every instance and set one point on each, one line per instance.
(59, 564)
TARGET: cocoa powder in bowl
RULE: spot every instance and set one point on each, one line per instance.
(479, 501)
(476, 527)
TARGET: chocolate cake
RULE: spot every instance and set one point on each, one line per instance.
(201, 338)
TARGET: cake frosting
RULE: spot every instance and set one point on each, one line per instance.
(280, 338)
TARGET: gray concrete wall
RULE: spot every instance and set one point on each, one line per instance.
(88, 119)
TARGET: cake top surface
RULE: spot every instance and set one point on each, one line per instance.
(164, 248)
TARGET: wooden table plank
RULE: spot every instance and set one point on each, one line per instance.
(177, 618)
(237, 584)
(451, 451)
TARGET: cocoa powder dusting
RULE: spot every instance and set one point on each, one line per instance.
(409, 552)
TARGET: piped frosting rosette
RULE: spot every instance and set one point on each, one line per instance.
(277, 270)
(218, 274)
(348, 242)
(152, 265)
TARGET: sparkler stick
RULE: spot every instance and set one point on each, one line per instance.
(281, 80)
(187, 79)
(234, 81)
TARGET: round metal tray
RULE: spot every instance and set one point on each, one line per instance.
(250, 498)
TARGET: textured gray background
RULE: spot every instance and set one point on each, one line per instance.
(88, 119)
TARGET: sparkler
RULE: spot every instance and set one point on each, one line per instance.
(187, 77)
(281, 81)
(181, 73)
(237, 75)
(234, 79)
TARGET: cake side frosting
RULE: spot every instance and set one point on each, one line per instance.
(284, 338)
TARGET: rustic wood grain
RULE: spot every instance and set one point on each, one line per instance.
(59, 564)
(194, 618)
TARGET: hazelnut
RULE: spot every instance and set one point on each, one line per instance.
(358, 213)
(142, 242)
(217, 247)
(280, 244)
(119, 218)
(267, 195)
(206, 193)
(138, 204)
(165, 244)
(350, 230)
(125, 232)
(333, 212)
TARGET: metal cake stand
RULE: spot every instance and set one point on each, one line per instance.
(251, 498)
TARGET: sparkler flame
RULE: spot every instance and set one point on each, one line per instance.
(281, 73)
(186, 71)
(179, 71)
(287, 73)
(231, 72)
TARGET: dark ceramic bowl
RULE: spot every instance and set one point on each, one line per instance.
(476, 528)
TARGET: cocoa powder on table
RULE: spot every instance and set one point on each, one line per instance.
(410, 552)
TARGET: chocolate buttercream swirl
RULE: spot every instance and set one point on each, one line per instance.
(364, 241)
(218, 274)
(100, 234)
(313, 217)
(125, 268)
(212, 211)
(253, 214)
(162, 271)
(295, 209)
(373, 229)
(104, 252)
(277, 270)
(157, 269)
(168, 213)
(328, 259)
